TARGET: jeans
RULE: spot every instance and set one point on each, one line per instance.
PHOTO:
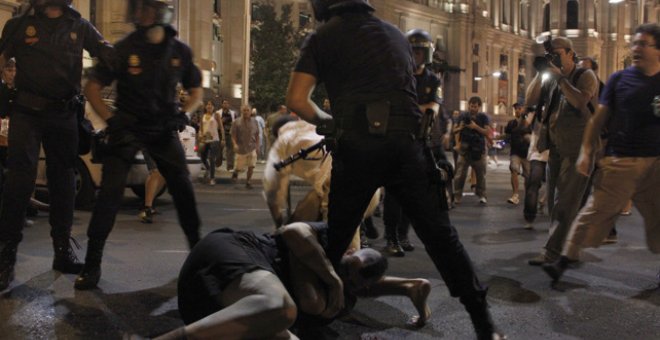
(57, 131)
(209, 155)
(479, 167)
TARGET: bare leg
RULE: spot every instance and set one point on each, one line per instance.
(258, 306)
(250, 170)
(152, 186)
(417, 290)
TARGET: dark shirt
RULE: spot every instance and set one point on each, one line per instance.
(474, 139)
(147, 75)
(358, 55)
(516, 133)
(633, 130)
(49, 52)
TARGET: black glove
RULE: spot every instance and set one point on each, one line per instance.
(446, 170)
(178, 122)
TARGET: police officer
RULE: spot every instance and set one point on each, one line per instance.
(47, 46)
(150, 62)
(367, 67)
(396, 224)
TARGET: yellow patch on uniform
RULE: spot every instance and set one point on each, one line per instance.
(30, 31)
(133, 60)
(74, 36)
(176, 62)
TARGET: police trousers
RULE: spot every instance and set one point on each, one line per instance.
(57, 131)
(167, 151)
(362, 164)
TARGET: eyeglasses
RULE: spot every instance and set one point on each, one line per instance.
(641, 43)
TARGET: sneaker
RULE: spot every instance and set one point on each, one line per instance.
(248, 186)
(625, 213)
(483, 200)
(393, 248)
(514, 199)
(457, 199)
(529, 226)
(539, 260)
(147, 215)
(406, 245)
(212, 181)
(234, 178)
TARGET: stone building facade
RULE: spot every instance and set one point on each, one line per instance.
(484, 47)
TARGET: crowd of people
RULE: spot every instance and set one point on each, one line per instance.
(594, 147)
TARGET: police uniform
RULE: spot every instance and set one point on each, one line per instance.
(397, 224)
(48, 55)
(147, 108)
(367, 64)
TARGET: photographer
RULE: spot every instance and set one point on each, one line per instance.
(150, 64)
(518, 133)
(474, 127)
(568, 91)
(47, 46)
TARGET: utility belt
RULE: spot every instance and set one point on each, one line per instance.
(38, 103)
(375, 117)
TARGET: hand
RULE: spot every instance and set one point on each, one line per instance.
(584, 164)
(325, 125)
(554, 71)
(445, 166)
(335, 301)
(472, 125)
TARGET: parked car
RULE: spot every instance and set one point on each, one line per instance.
(88, 173)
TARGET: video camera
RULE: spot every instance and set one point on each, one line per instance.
(541, 63)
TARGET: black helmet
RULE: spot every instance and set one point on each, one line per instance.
(39, 4)
(420, 39)
(164, 10)
(323, 9)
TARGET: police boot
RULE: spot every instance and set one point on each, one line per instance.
(7, 261)
(477, 307)
(91, 273)
(65, 259)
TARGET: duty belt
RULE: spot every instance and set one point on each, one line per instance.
(39, 103)
(357, 122)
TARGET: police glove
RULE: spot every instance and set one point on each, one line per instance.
(178, 122)
(118, 130)
(446, 170)
(325, 125)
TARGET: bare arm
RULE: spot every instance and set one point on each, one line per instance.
(301, 240)
(93, 94)
(580, 95)
(194, 99)
(299, 98)
(533, 92)
(590, 140)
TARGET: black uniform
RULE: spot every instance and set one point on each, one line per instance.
(147, 108)
(396, 223)
(48, 55)
(365, 64)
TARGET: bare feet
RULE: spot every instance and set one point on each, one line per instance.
(419, 291)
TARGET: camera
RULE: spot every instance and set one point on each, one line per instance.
(541, 63)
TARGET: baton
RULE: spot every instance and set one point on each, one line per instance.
(302, 154)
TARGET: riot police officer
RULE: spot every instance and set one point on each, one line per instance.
(427, 84)
(44, 113)
(150, 62)
(367, 67)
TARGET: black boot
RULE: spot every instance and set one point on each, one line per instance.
(65, 259)
(7, 261)
(477, 306)
(91, 273)
(556, 269)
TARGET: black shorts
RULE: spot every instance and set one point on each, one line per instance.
(216, 261)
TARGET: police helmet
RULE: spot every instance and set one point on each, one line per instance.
(44, 3)
(420, 39)
(323, 9)
(164, 10)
